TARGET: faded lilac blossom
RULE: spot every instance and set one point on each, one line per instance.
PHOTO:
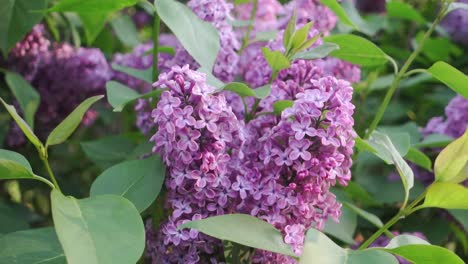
(456, 24)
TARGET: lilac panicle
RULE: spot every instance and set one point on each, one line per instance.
(27, 55)
(197, 136)
(63, 75)
(311, 10)
(266, 17)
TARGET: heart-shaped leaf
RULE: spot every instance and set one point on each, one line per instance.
(139, 181)
(86, 228)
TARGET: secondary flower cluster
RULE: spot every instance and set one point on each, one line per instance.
(63, 75)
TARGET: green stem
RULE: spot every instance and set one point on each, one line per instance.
(156, 28)
(49, 171)
(401, 74)
(245, 41)
(391, 222)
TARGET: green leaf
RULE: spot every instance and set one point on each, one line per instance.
(275, 59)
(404, 11)
(16, 157)
(318, 248)
(239, 88)
(446, 195)
(144, 75)
(38, 246)
(28, 98)
(198, 37)
(13, 217)
(339, 11)
(368, 28)
(357, 50)
(17, 19)
(280, 105)
(451, 165)
(101, 229)
(319, 52)
(107, 151)
(211, 79)
(300, 36)
(400, 140)
(450, 76)
(71, 122)
(403, 240)
(385, 148)
(242, 229)
(125, 30)
(10, 169)
(418, 157)
(344, 230)
(427, 254)
(22, 125)
(93, 14)
(434, 141)
(373, 219)
(289, 31)
(265, 36)
(120, 95)
(263, 91)
(461, 216)
(139, 181)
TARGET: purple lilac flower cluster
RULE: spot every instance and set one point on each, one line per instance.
(217, 12)
(279, 169)
(456, 24)
(63, 75)
(311, 10)
(139, 59)
(198, 135)
(383, 241)
(371, 6)
(27, 55)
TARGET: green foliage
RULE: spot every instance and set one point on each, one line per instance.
(125, 30)
(404, 11)
(427, 254)
(357, 50)
(452, 163)
(22, 125)
(100, 229)
(345, 229)
(202, 45)
(108, 151)
(447, 196)
(93, 14)
(144, 75)
(71, 122)
(318, 248)
(280, 105)
(31, 246)
(16, 20)
(450, 76)
(139, 181)
(418, 157)
(319, 52)
(242, 229)
(339, 11)
(28, 98)
(387, 151)
(275, 59)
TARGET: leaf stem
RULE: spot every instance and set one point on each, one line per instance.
(401, 75)
(156, 28)
(49, 171)
(401, 214)
(245, 41)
